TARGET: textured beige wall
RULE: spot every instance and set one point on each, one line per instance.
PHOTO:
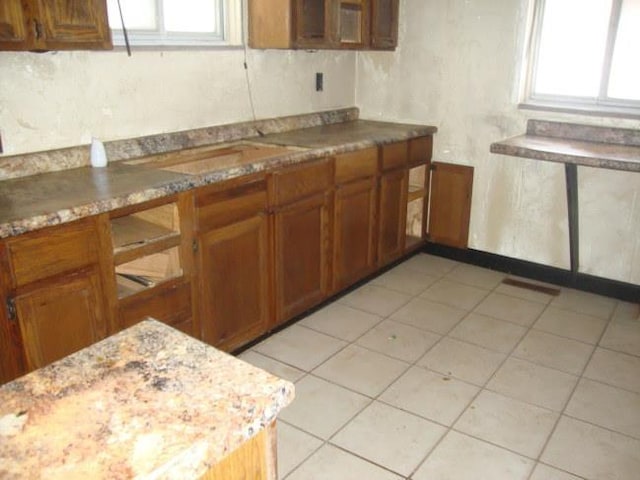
(61, 99)
(457, 67)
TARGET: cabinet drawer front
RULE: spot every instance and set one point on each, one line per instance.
(394, 155)
(354, 165)
(301, 181)
(420, 150)
(52, 252)
(222, 207)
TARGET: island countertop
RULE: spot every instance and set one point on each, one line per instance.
(29, 203)
(148, 402)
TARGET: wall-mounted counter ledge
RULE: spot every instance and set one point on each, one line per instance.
(149, 402)
(610, 148)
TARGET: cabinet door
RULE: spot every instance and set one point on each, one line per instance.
(354, 232)
(234, 282)
(73, 24)
(302, 246)
(61, 318)
(393, 214)
(450, 204)
(13, 21)
(384, 23)
(315, 23)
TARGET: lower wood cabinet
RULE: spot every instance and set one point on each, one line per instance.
(393, 216)
(61, 318)
(301, 255)
(234, 281)
(354, 252)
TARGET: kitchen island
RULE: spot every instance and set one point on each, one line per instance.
(148, 402)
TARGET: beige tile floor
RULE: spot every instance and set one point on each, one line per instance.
(436, 370)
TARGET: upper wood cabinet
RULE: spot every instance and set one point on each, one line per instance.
(384, 24)
(54, 25)
(323, 24)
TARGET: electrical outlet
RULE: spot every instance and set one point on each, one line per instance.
(319, 82)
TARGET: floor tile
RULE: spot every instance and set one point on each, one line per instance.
(377, 300)
(552, 351)
(341, 321)
(429, 265)
(428, 315)
(509, 423)
(455, 294)
(300, 347)
(476, 276)
(331, 463)
(272, 366)
(566, 323)
(526, 293)
(615, 368)
(460, 457)
(606, 406)
(361, 370)
(545, 472)
(431, 395)
(531, 383)
(390, 437)
(294, 446)
(398, 340)
(322, 408)
(626, 311)
(488, 332)
(623, 336)
(404, 281)
(511, 309)
(602, 454)
(462, 360)
(584, 302)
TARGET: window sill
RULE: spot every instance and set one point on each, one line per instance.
(590, 110)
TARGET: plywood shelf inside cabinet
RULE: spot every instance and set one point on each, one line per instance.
(148, 271)
(131, 232)
(416, 192)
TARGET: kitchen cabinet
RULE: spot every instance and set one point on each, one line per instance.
(54, 25)
(322, 24)
(55, 291)
(234, 262)
(384, 24)
(301, 197)
(418, 179)
(392, 202)
(355, 217)
(152, 264)
(450, 206)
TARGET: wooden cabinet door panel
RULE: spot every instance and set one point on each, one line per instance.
(234, 282)
(393, 213)
(302, 245)
(354, 232)
(384, 23)
(70, 24)
(450, 204)
(13, 22)
(61, 318)
(315, 23)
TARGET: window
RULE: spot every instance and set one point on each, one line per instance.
(176, 22)
(585, 55)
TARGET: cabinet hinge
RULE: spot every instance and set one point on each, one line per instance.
(37, 27)
(11, 309)
(432, 167)
(194, 246)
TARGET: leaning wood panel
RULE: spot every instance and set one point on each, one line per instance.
(451, 189)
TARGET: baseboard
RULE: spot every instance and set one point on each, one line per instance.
(602, 286)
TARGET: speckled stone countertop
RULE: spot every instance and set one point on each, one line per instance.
(33, 202)
(147, 403)
(591, 146)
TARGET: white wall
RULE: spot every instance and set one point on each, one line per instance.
(61, 99)
(457, 67)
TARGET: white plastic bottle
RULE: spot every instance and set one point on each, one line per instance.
(98, 153)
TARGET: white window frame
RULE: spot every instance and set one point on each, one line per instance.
(229, 31)
(600, 105)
